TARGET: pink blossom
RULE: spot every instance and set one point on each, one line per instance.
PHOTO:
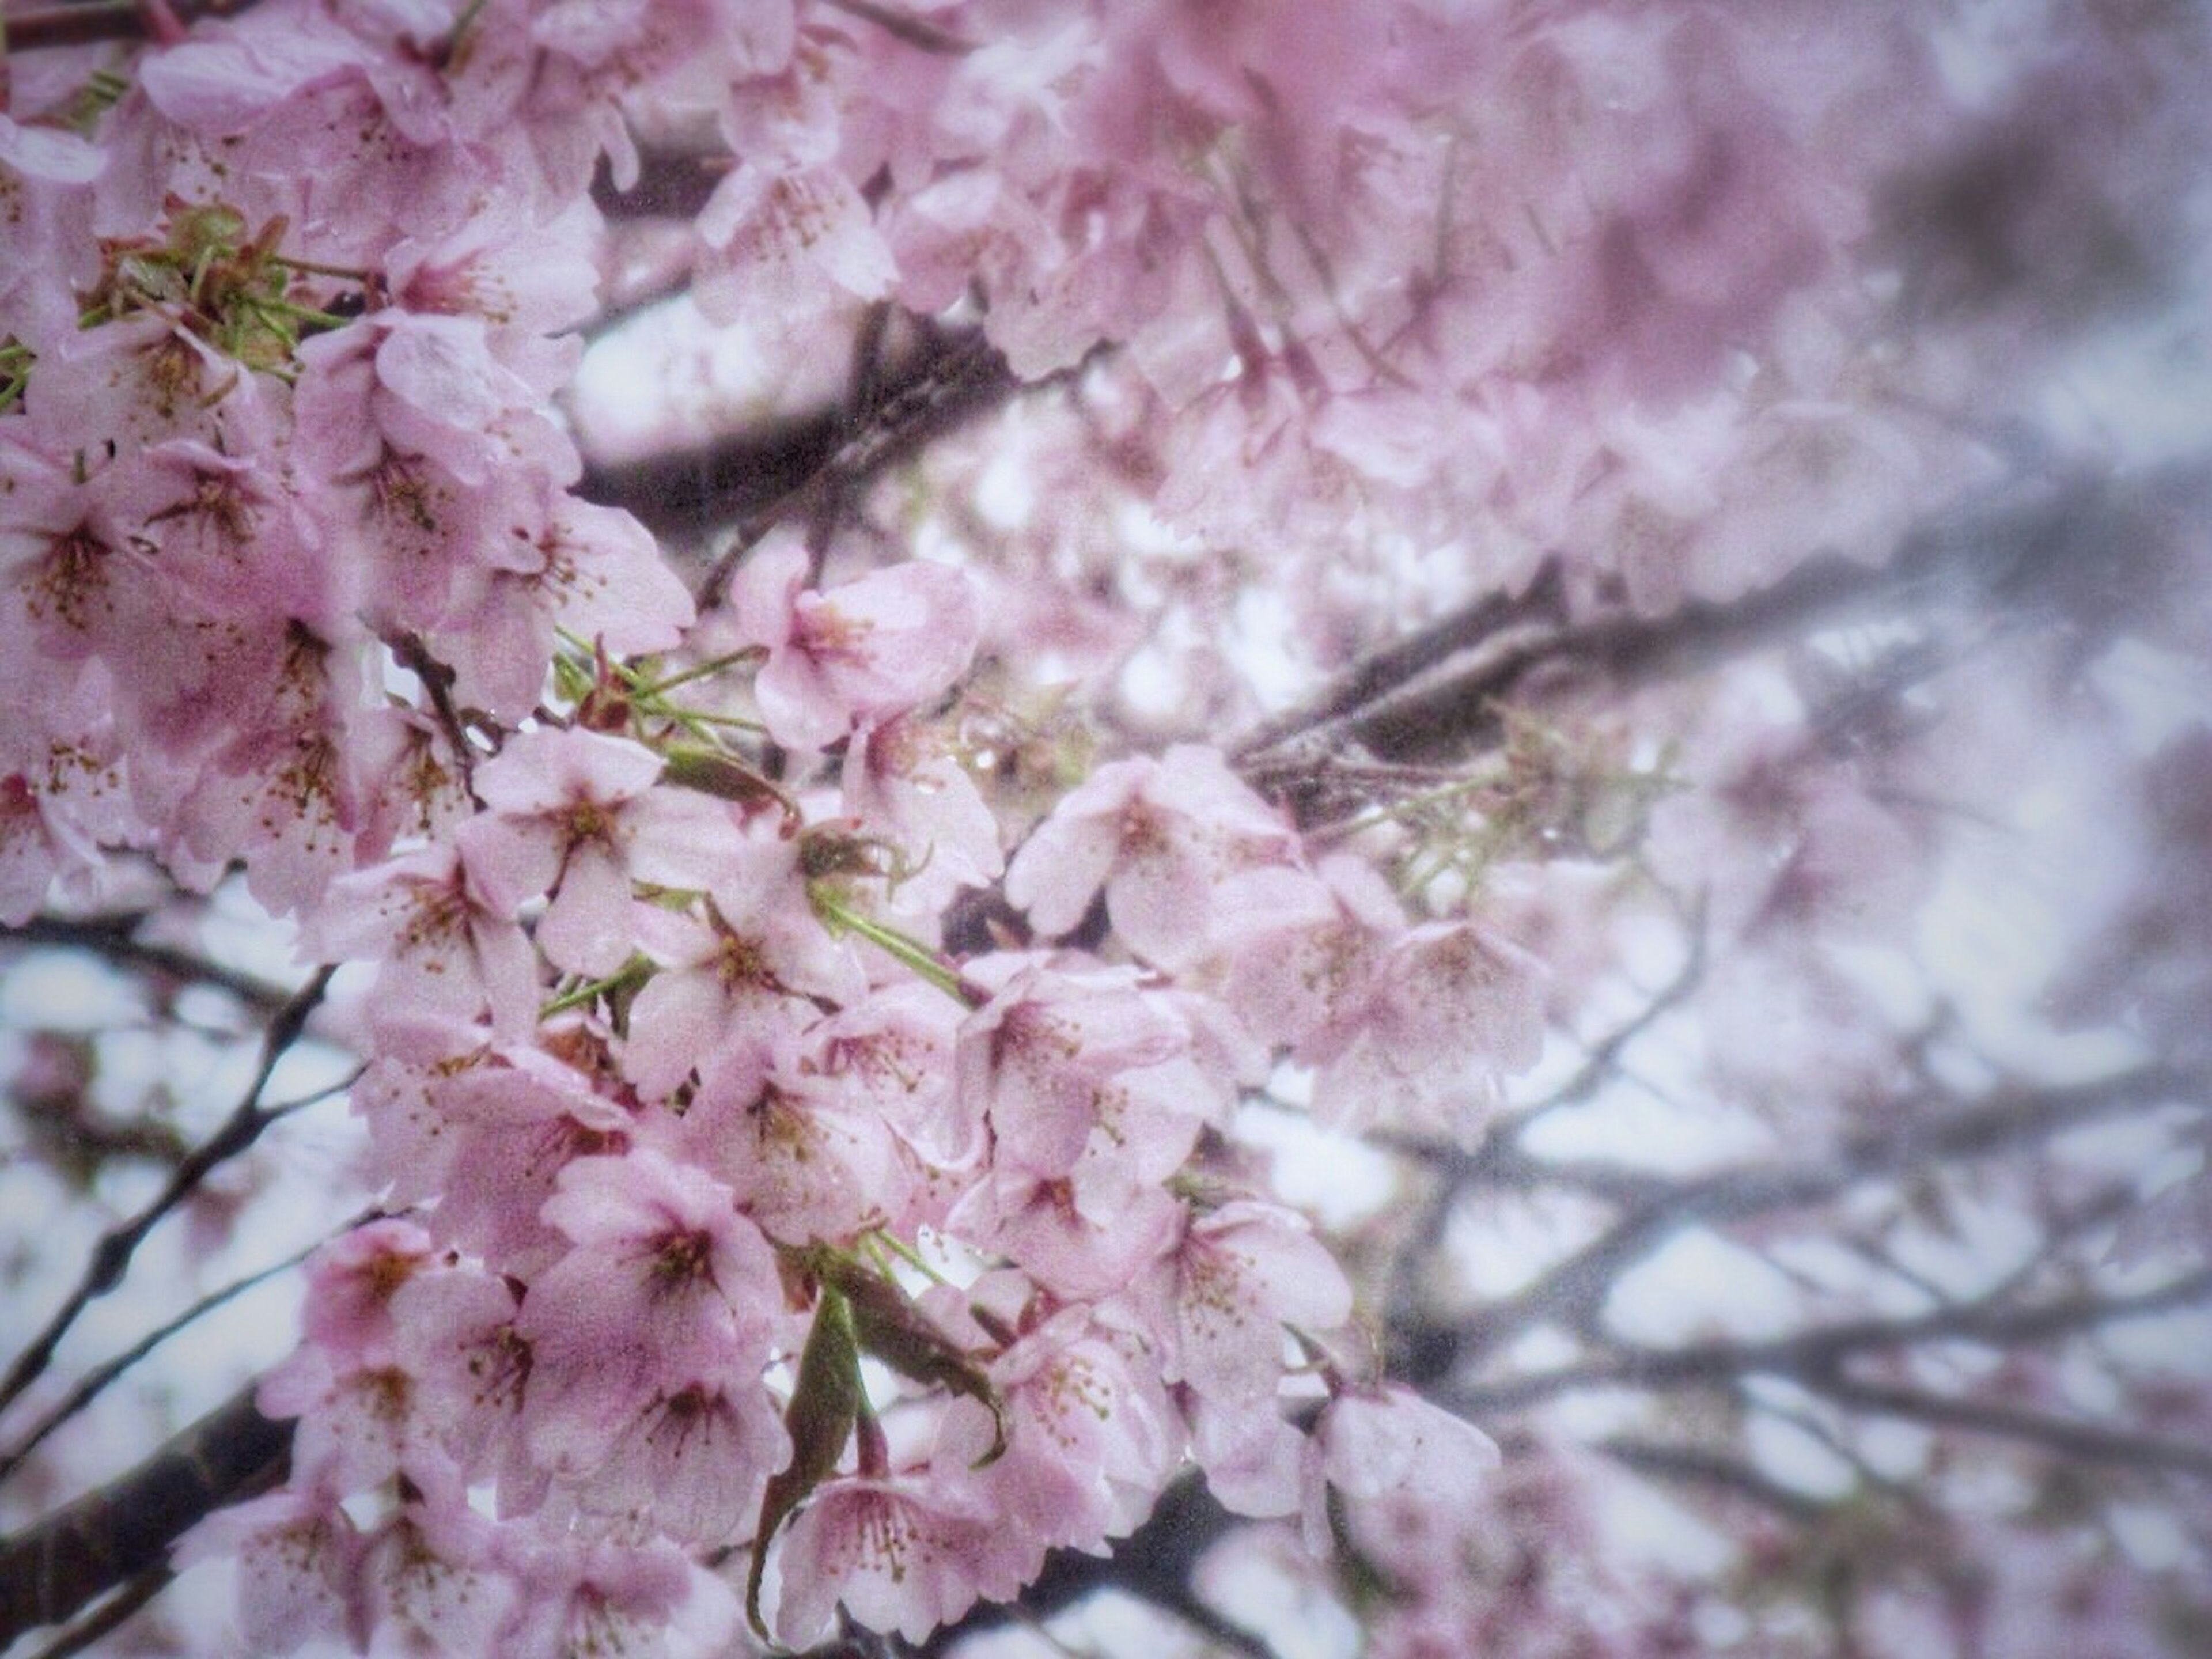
(858, 653)
(580, 1597)
(1091, 1437)
(666, 1284)
(1160, 836)
(905, 1552)
(786, 243)
(566, 807)
(1216, 1304)
(807, 1159)
(737, 973)
(299, 1559)
(1040, 1055)
(1388, 1442)
(901, 781)
(439, 941)
(1452, 1006)
(352, 1283)
(45, 180)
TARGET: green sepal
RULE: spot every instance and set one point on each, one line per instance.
(825, 1404)
(892, 1329)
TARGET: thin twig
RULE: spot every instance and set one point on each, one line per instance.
(115, 938)
(88, 1386)
(110, 1614)
(111, 1257)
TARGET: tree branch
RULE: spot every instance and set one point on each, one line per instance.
(111, 1257)
(111, 1535)
(1436, 696)
(2006, 1117)
(115, 938)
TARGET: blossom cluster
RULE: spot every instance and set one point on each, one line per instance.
(682, 1110)
(809, 1144)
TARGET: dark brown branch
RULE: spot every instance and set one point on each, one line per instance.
(1816, 1356)
(954, 383)
(110, 1615)
(51, 1569)
(88, 1386)
(1693, 1465)
(2062, 1437)
(758, 477)
(1435, 697)
(1575, 1288)
(111, 1257)
(115, 938)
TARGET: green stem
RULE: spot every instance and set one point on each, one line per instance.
(316, 268)
(841, 917)
(1409, 804)
(699, 671)
(629, 974)
(299, 313)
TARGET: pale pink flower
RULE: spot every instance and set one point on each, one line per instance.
(299, 1558)
(1038, 1057)
(902, 781)
(359, 1423)
(787, 244)
(441, 942)
(858, 653)
(1160, 836)
(666, 1284)
(1084, 1236)
(1388, 1442)
(565, 808)
(692, 1463)
(906, 1552)
(1091, 1435)
(580, 1597)
(431, 1580)
(46, 184)
(456, 1336)
(351, 1283)
(1216, 1304)
(593, 571)
(738, 973)
(1450, 1008)
(807, 1159)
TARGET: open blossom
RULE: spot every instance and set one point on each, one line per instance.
(1388, 1442)
(738, 971)
(1216, 1305)
(575, 813)
(665, 1286)
(1160, 836)
(443, 945)
(855, 653)
(1093, 1435)
(1038, 1058)
(905, 1552)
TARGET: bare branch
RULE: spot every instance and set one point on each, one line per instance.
(1693, 1465)
(88, 1388)
(115, 939)
(110, 1615)
(111, 1535)
(2063, 1436)
(1816, 1357)
(2007, 1117)
(111, 1257)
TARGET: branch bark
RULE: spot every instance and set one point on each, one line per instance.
(115, 1532)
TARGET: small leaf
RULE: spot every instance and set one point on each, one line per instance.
(824, 1405)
